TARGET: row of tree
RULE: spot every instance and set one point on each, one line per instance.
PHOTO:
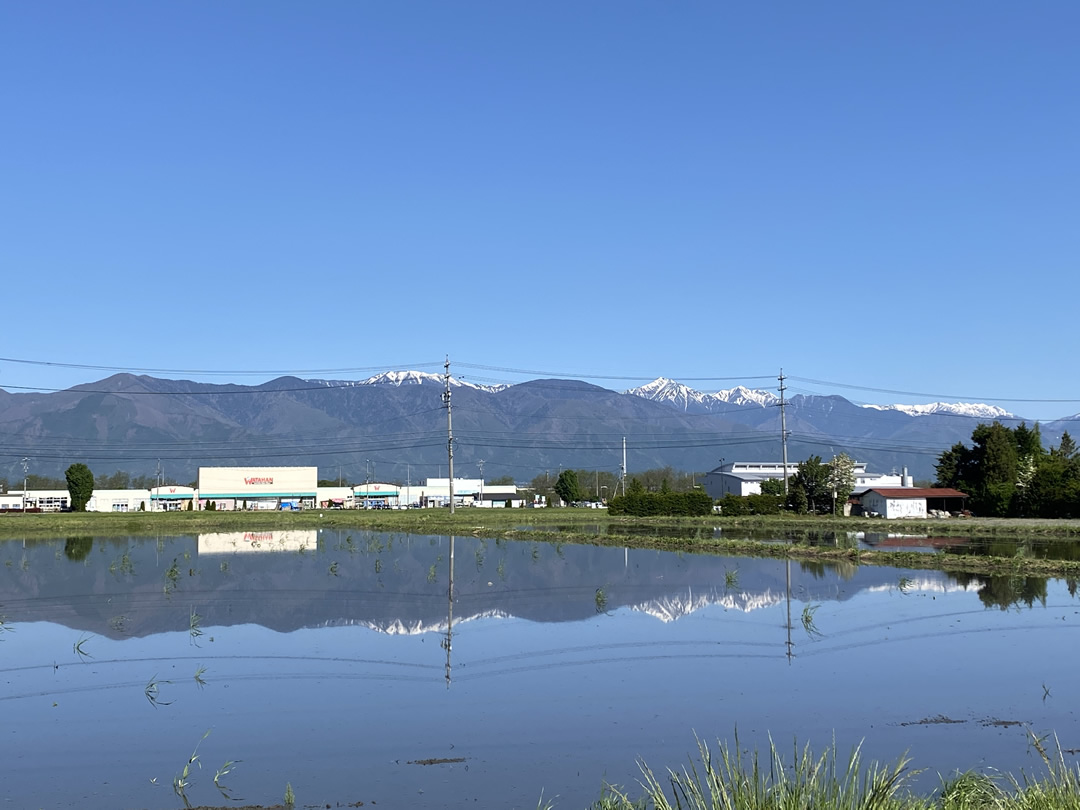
(1006, 472)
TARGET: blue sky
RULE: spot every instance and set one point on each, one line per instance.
(879, 195)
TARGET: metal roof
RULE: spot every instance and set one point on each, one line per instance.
(915, 492)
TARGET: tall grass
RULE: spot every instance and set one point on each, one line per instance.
(728, 780)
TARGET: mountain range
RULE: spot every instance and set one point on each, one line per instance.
(393, 426)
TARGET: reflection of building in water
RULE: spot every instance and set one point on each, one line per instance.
(232, 542)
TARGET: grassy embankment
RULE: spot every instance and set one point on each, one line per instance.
(811, 538)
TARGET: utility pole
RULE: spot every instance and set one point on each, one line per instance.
(449, 433)
(783, 429)
(26, 475)
(481, 465)
(622, 469)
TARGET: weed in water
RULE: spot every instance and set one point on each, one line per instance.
(290, 798)
(1046, 692)
(904, 585)
(78, 647)
(199, 678)
(731, 579)
(225, 770)
(432, 574)
(194, 630)
(601, 600)
(172, 577)
(182, 782)
(333, 569)
(151, 693)
(123, 565)
(808, 612)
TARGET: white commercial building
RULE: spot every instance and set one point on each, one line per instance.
(119, 500)
(171, 498)
(232, 488)
(744, 478)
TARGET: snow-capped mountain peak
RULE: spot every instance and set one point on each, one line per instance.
(977, 410)
(687, 399)
(399, 378)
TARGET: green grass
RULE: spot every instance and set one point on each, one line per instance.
(730, 780)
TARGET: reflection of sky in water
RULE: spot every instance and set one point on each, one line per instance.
(561, 701)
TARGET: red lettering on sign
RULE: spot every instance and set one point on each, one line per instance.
(257, 481)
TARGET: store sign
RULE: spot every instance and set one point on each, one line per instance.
(258, 481)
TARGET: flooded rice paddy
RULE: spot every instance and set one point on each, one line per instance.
(424, 671)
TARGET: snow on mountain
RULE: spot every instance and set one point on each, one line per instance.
(398, 378)
(687, 399)
(974, 409)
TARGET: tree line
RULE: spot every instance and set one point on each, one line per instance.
(1006, 472)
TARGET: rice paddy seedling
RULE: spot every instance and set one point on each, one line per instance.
(432, 574)
(199, 672)
(290, 797)
(151, 693)
(1046, 692)
(808, 624)
(78, 647)
(194, 629)
(731, 579)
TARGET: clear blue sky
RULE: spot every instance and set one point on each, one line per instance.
(882, 195)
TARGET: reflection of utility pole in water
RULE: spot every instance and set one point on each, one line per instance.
(447, 643)
(790, 653)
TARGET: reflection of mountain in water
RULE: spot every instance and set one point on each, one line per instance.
(390, 583)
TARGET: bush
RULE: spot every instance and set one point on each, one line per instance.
(765, 504)
(647, 504)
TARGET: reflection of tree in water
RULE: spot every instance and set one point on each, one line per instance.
(78, 548)
(822, 569)
(1071, 585)
(1005, 591)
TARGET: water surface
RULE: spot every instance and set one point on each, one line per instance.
(338, 662)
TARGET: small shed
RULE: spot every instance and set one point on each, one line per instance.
(911, 502)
